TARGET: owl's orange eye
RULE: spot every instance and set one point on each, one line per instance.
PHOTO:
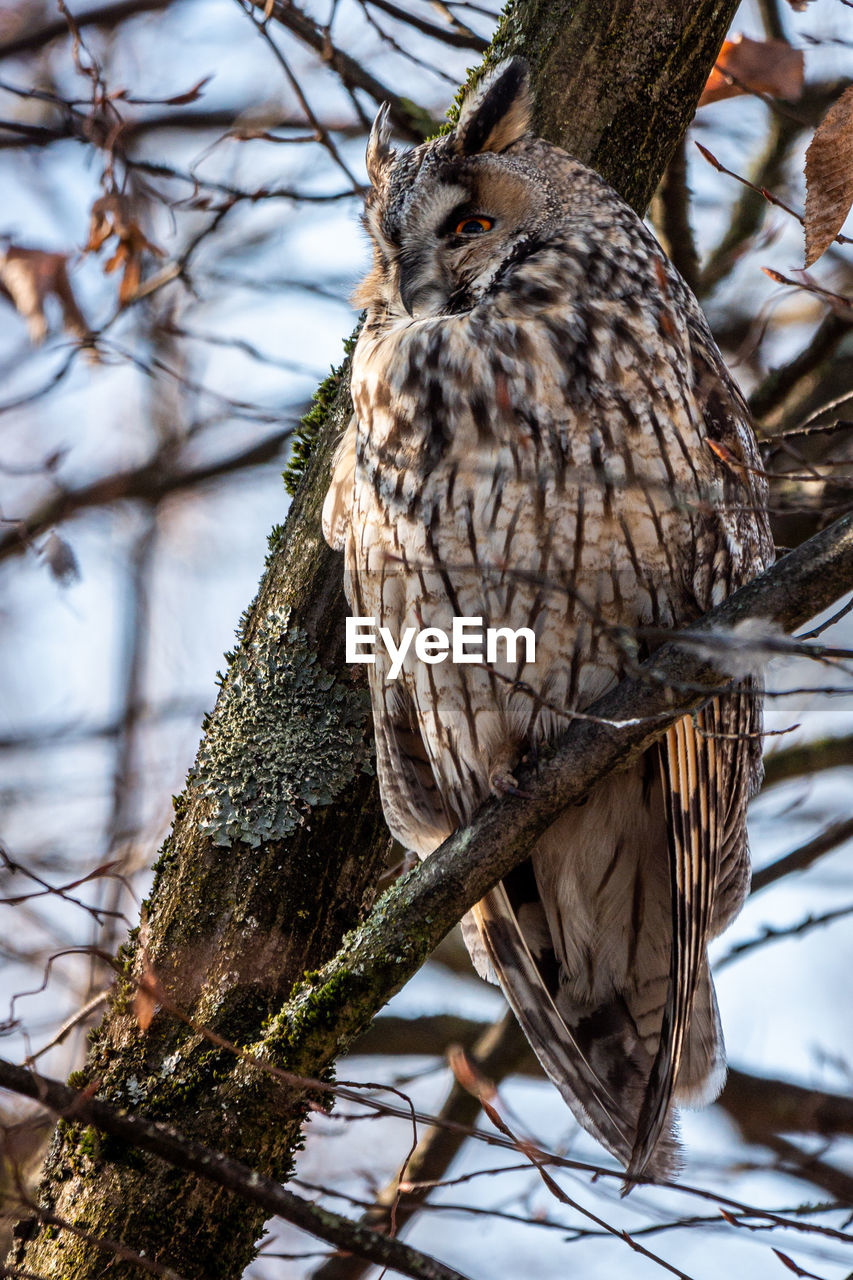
(473, 226)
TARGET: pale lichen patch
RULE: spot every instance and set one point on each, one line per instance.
(286, 736)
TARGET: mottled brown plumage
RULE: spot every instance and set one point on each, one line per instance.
(545, 436)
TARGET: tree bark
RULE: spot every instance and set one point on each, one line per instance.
(278, 838)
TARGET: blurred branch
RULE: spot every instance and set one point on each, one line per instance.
(771, 394)
(811, 1168)
(232, 119)
(454, 34)
(806, 758)
(771, 20)
(151, 482)
(36, 135)
(126, 746)
(104, 15)
(763, 1105)
(78, 1106)
(75, 730)
(241, 125)
(428, 1034)
(837, 833)
(671, 216)
(764, 1108)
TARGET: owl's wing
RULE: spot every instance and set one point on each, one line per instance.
(412, 803)
(337, 507)
(730, 437)
(690, 763)
(710, 765)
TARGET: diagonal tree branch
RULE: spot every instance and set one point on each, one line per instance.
(454, 34)
(832, 836)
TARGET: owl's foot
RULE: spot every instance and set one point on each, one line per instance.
(502, 782)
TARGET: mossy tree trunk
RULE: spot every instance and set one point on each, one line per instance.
(278, 838)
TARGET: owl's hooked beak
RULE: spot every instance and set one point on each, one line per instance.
(410, 268)
(407, 297)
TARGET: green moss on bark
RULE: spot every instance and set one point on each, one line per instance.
(314, 420)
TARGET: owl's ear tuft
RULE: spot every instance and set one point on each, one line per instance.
(380, 153)
(497, 111)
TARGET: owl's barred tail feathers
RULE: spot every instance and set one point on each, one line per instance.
(577, 1056)
(693, 801)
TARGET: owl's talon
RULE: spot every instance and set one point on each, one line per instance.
(504, 784)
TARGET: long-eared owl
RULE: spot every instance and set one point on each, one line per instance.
(545, 437)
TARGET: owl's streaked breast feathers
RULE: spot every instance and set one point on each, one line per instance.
(545, 436)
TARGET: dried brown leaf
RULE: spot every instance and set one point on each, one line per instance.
(755, 66)
(788, 1262)
(191, 95)
(28, 277)
(492, 1114)
(148, 991)
(144, 1007)
(62, 563)
(829, 177)
(113, 215)
(795, 1267)
(130, 278)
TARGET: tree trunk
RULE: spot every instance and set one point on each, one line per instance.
(278, 838)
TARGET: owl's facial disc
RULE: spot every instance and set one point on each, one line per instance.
(438, 274)
(444, 216)
(456, 234)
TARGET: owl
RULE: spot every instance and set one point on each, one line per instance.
(545, 437)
